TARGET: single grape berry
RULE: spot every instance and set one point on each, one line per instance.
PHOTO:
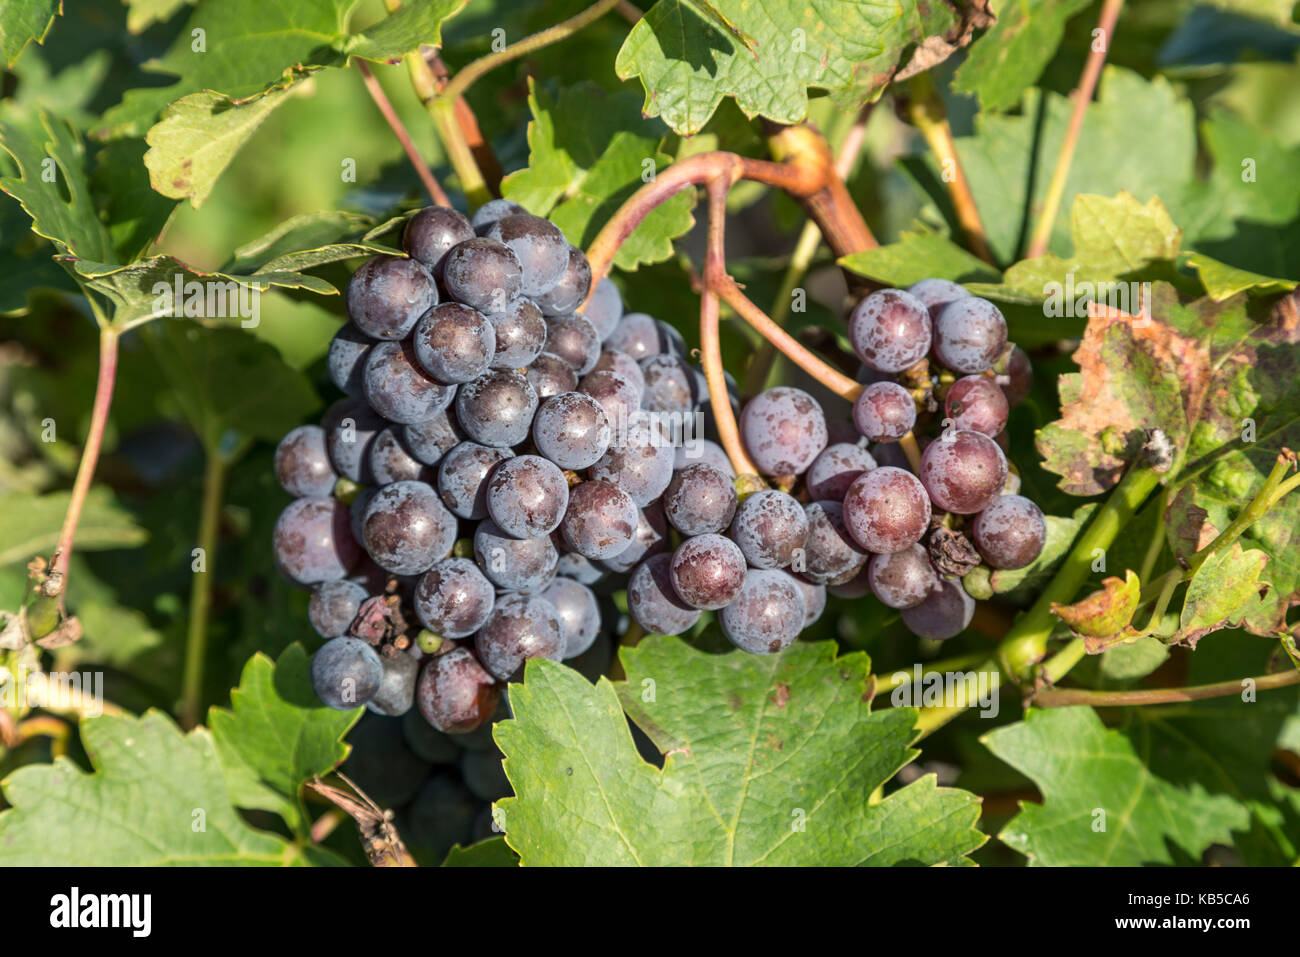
(345, 673)
(1015, 375)
(390, 461)
(904, 578)
(514, 564)
(708, 571)
(550, 375)
(783, 430)
(396, 693)
(699, 451)
(605, 307)
(399, 389)
(432, 232)
(313, 541)
(346, 360)
(333, 605)
(491, 211)
(433, 438)
(831, 556)
(462, 478)
(671, 384)
(1010, 533)
(302, 462)
(700, 500)
(638, 335)
(406, 528)
(653, 602)
(578, 612)
(611, 360)
(650, 538)
(482, 273)
(963, 471)
(835, 469)
(937, 293)
(520, 627)
(969, 335)
(388, 295)
(943, 614)
(455, 693)
(519, 332)
(767, 615)
(574, 340)
(572, 430)
(642, 466)
(601, 520)
(890, 330)
(814, 599)
(453, 598)
(350, 428)
(976, 402)
(884, 412)
(540, 247)
(497, 408)
(527, 495)
(574, 284)
(454, 343)
(618, 395)
(770, 528)
(886, 510)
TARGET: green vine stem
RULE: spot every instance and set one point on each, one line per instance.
(1063, 697)
(196, 643)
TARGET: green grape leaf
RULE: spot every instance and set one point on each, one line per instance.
(311, 232)
(588, 152)
(768, 760)
(919, 255)
(413, 25)
(490, 852)
(225, 381)
(1102, 803)
(22, 21)
(689, 55)
(1012, 53)
(112, 631)
(197, 138)
(1222, 592)
(1222, 281)
(155, 797)
(277, 735)
(135, 213)
(141, 14)
(32, 524)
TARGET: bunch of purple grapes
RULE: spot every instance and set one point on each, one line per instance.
(498, 455)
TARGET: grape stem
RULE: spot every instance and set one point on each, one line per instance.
(103, 401)
(1063, 697)
(928, 115)
(403, 137)
(1082, 96)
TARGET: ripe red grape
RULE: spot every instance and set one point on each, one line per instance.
(902, 579)
(767, 615)
(976, 402)
(886, 510)
(783, 430)
(671, 384)
(462, 477)
(650, 538)
(527, 496)
(969, 335)
(890, 330)
(455, 693)
(653, 601)
(514, 564)
(601, 520)
(578, 613)
(572, 430)
(831, 556)
(313, 541)
(406, 528)
(884, 412)
(642, 466)
(550, 375)
(520, 627)
(835, 469)
(699, 500)
(814, 598)
(618, 395)
(943, 614)
(1010, 533)
(453, 598)
(937, 293)
(1015, 375)
(963, 471)
(708, 571)
(302, 462)
(574, 340)
(770, 527)
(639, 335)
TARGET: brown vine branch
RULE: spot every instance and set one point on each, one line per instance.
(403, 137)
(1062, 697)
(1082, 96)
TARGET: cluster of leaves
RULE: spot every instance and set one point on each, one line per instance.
(237, 107)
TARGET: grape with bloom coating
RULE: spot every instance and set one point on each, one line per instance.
(514, 564)
(699, 500)
(886, 510)
(399, 389)
(396, 691)
(1015, 375)
(313, 541)
(391, 462)
(814, 599)
(453, 598)
(574, 340)
(540, 247)
(700, 451)
(654, 603)
(642, 466)
(835, 469)
(650, 538)
(302, 462)
(572, 430)
(520, 627)
(767, 615)
(519, 332)
(884, 412)
(963, 471)
(611, 360)
(433, 438)
(346, 360)
(671, 384)
(454, 343)
(527, 496)
(770, 527)
(639, 335)
(578, 612)
(618, 395)
(890, 330)
(462, 477)
(601, 520)
(937, 293)
(482, 273)
(831, 555)
(406, 528)
(902, 579)
(491, 211)
(345, 673)
(944, 613)
(969, 335)
(571, 289)
(605, 307)
(388, 295)
(432, 232)
(333, 605)
(976, 402)
(708, 571)
(1010, 533)
(550, 375)
(455, 693)
(350, 428)
(783, 430)
(497, 408)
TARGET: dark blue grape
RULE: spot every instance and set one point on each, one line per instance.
(574, 340)
(526, 496)
(539, 245)
(831, 556)
(406, 528)
(969, 335)
(520, 627)
(578, 612)
(491, 211)
(611, 360)
(835, 469)
(350, 428)
(550, 375)
(462, 477)
(520, 333)
(391, 462)
(653, 601)
(453, 598)
(943, 614)
(396, 691)
(302, 462)
(650, 538)
(333, 605)
(904, 578)
(767, 615)
(514, 564)
(497, 408)
(388, 295)
(671, 384)
(346, 361)
(482, 273)
(708, 571)
(433, 438)
(700, 500)
(770, 528)
(454, 343)
(600, 521)
(568, 294)
(313, 541)
(1010, 533)
(432, 232)
(890, 330)
(571, 430)
(398, 389)
(605, 307)
(345, 673)
(703, 451)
